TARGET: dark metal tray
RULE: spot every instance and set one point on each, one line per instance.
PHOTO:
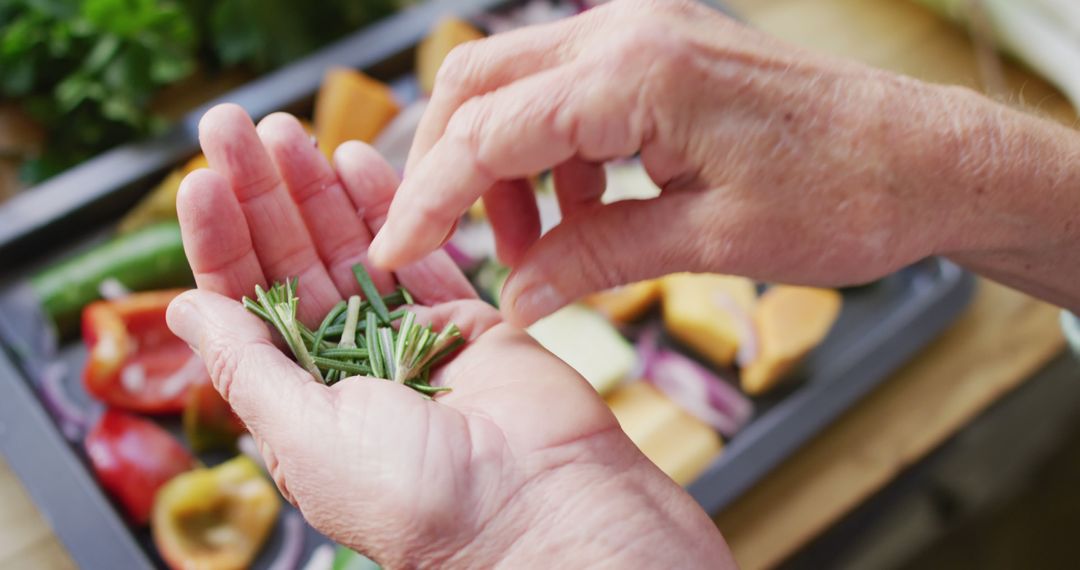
(880, 327)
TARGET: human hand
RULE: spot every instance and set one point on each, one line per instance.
(775, 163)
(522, 460)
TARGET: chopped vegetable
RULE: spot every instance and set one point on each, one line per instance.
(209, 422)
(214, 518)
(653, 422)
(292, 545)
(448, 34)
(150, 258)
(790, 321)
(395, 140)
(586, 341)
(133, 458)
(699, 310)
(351, 106)
(626, 303)
(135, 362)
(693, 387)
(160, 204)
(72, 419)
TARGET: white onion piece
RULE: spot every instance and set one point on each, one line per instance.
(700, 392)
(748, 338)
(475, 240)
(322, 558)
(396, 138)
(292, 545)
(112, 289)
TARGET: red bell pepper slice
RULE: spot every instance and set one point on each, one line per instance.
(135, 361)
(132, 458)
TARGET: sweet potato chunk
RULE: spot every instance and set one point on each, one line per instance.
(431, 52)
(678, 443)
(700, 310)
(790, 322)
(626, 303)
(351, 106)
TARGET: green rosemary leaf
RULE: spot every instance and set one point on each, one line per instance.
(335, 330)
(257, 310)
(348, 334)
(371, 293)
(404, 336)
(349, 367)
(377, 368)
(330, 317)
(386, 346)
(353, 353)
(443, 353)
(395, 315)
(426, 388)
(406, 296)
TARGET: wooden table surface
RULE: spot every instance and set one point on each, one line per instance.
(995, 346)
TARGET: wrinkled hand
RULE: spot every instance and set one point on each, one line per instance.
(775, 163)
(521, 460)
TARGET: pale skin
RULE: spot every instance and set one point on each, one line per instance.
(775, 163)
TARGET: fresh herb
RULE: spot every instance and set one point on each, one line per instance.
(88, 70)
(343, 346)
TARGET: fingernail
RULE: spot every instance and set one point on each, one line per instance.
(536, 301)
(184, 321)
(375, 251)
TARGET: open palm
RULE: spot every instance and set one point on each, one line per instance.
(369, 462)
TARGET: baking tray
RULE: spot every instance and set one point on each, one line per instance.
(880, 327)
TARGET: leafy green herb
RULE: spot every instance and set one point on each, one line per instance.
(404, 355)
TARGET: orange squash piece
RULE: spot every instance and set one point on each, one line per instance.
(790, 322)
(678, 443)
(351, 106)
(626, 303)
(698, 311)
(431, 52)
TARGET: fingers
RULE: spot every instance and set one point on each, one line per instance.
(278, 401)
(523, 128)
(623, 243)
(472, 317)
(278, 233)
(578, 185)
(339, 235)
(484, 65)
(215, 234)
(515, 219)
(370, 183)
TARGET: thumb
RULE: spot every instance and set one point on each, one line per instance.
(618, 244)
(274, 397)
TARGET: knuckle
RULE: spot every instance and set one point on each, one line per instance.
(596, 253)
(223, 364)
(458, 69)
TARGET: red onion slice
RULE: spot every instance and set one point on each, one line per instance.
(697, 390)
(292, 545)
(744, 322)
(73, 420)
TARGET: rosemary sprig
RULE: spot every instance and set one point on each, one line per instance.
(357, 337)
(278, 305)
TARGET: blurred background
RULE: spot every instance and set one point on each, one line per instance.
(960, 452)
